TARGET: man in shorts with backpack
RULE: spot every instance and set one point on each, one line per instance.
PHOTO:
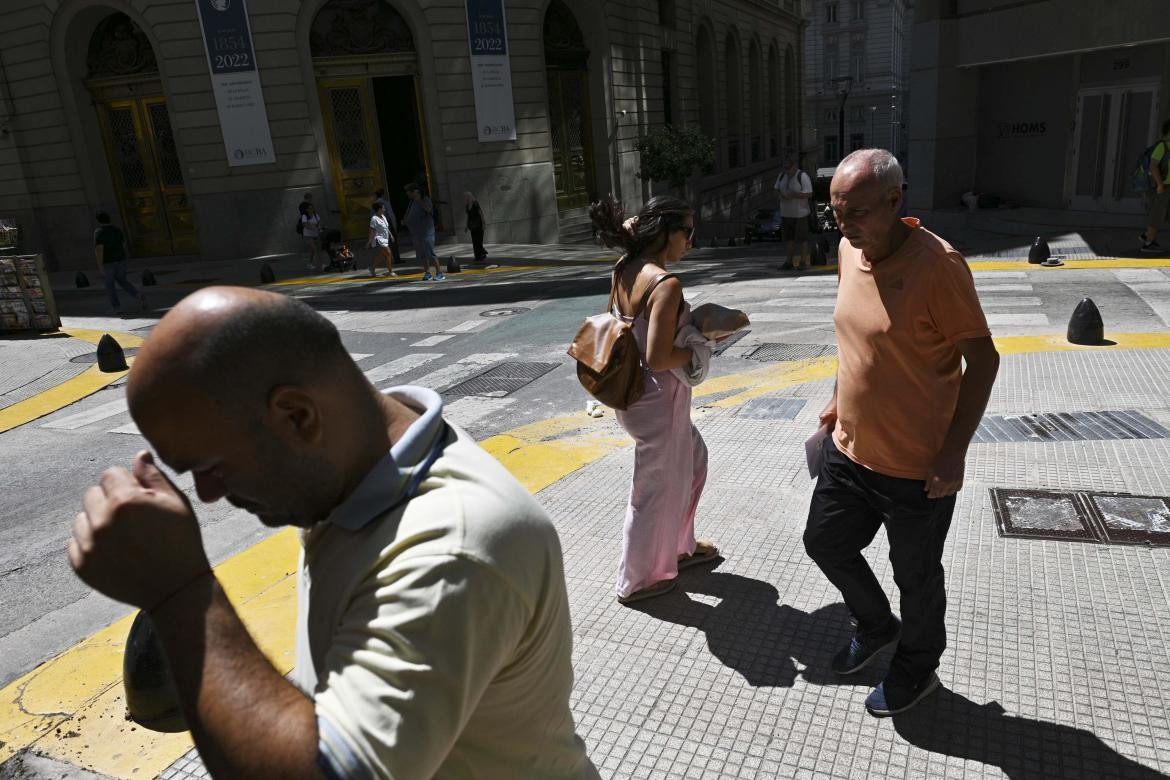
(795, 189)
(1159, 198)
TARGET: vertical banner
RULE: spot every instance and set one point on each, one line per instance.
(491, 70)
(235, 81)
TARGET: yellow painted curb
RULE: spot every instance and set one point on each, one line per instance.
(70, 391)
(1104, 262)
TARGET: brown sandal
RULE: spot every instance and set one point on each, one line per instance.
(650, 591)
(704, 552)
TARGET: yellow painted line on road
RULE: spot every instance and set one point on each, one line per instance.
(1104, 262)
(72, 707)
(71, 390)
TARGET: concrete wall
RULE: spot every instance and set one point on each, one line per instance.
(54, 173)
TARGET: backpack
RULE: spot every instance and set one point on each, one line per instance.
(609, 364)
(300, 228)
(1142, 178)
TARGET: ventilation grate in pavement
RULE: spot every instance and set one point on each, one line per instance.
(772, 408)
(1084, 516)
(505, 312)
(1068, 426)
(501, 380)
(734, 337)
(775, 353)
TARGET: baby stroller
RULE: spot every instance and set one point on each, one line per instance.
(340, 257)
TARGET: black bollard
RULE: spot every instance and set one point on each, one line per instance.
(81, 280)
(110, 357)
(148, 278)
(1039, 251)
(266, 275)
(1086, 326)
(151, 697)
(453, 265)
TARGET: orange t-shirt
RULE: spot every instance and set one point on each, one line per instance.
(899, 369)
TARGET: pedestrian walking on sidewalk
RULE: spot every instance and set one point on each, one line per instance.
(419, 219)
(794, 188)
(1159, 199)
(311, 232)
(392, 219)
(475, 226)
(670, 456)
(110, 251)
(433, 636)
(380, 240)
(901, 418)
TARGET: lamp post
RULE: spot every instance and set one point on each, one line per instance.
(844, 82)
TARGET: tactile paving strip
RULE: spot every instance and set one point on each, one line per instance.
(1068, 426)
(775, 353)
(501, 380)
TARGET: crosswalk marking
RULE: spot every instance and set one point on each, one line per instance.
(465, 411)
(1009, 287)
(74, 421)
(1140, 275)
(827, 303)
(433, 340)
(456, 372)
(1016, 318)
(360, 356)
(128, 428)
(464, 327)
(1017, 301)
(400, 366)
(790, 316)
(1000, 274)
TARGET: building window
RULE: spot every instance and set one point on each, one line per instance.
(830, 115)
(666, 13)
(856, 141)
(831, 12)
(830, 58)
(858, 10)
(831, 149)
(857, 58)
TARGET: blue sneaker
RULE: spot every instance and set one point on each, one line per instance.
(883, 705)
(862, 649)
(427, 276)
(439, 277)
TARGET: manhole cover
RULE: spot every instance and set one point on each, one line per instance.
(771, 408)
(734, 337)
(1126, 519)
(501, 380)
(1041, 514)
(775, 353)
(1069, 426)
(91, 357)
(503, 312)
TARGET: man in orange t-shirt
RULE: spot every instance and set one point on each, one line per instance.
(902, 415)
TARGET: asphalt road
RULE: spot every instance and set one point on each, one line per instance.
(441, 335)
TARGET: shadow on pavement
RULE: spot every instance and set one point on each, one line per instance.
(748, 631)
(954, 725)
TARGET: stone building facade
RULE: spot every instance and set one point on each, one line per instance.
(1048, 104)
(857, 49)
(108, 104)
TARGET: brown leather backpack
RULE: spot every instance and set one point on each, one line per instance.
(609, 365)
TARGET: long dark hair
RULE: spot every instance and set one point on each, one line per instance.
(658, 217)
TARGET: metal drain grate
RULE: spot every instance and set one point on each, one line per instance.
(734, 337)
(772, 408)
(1084, 516)
(775, 353)
(1068, 426)
(501, 380)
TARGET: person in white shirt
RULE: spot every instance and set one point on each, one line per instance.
(433, 634)
(795, 189)
(311, 232)
(380, 239)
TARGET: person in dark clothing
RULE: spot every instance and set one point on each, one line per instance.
(305, 204)
(475, 225)
(110, 250)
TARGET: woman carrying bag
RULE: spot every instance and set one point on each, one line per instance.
(670, 457)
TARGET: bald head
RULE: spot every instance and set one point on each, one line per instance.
(232, 345)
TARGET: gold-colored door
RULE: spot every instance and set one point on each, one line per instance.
(148, 177)
(350, 128)
(568, 109)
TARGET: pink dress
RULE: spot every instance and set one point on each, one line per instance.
(670, 470)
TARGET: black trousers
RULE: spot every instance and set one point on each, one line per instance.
(848, 507)
(477, 243)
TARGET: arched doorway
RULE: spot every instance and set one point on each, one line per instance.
(122, 76)
(566, 61)
(368, 82)
(774, 93)
(705, 66)
(756, 96)
(790, 99)
(734, 101)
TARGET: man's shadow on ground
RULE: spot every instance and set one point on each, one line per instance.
(765, 642)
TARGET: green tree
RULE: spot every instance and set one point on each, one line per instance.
(673, 154)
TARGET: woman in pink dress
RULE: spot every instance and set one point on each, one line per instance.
(670, 457)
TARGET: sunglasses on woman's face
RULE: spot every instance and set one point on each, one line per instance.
(690, 231)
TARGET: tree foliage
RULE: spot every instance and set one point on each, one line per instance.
(674, 154)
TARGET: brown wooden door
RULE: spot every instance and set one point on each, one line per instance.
(568, 110)
(348, 109)
(148, 177)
